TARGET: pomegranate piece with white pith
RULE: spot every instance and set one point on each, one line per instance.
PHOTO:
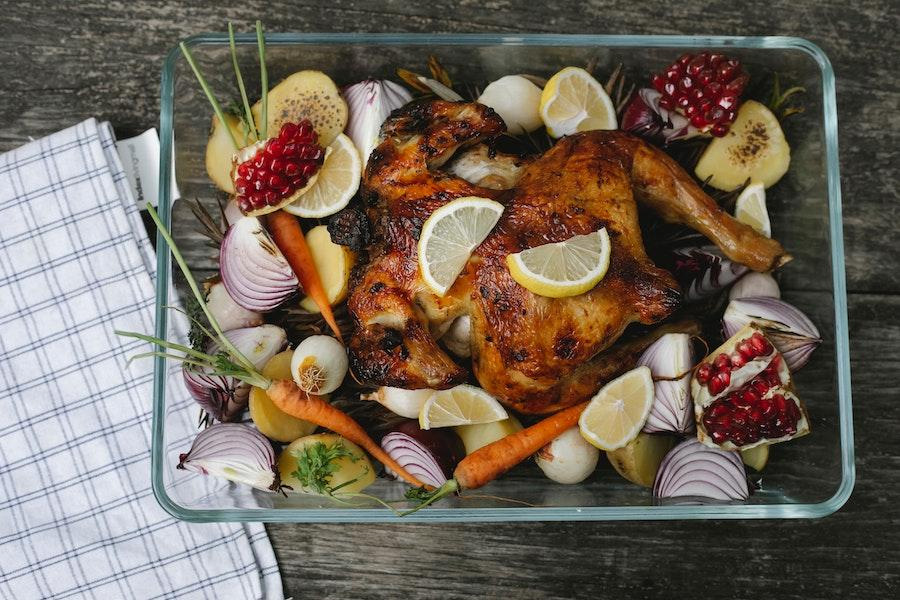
(744, 396)
(706, 88)
(275, 172)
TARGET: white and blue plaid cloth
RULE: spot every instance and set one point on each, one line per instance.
(77, 516)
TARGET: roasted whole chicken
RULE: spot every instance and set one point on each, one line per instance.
(535, 354)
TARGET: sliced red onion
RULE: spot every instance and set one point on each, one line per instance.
(755, 285)
(254, 271)
(228, 313)
(430, 455)
(235, 452)
(692, 470)
(669, 359)
(369, 103)
(789, 330)
(704, 271)
(646, 118)
(232, 213)
(225, 398)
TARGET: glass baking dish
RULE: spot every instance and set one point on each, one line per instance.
(809, 477)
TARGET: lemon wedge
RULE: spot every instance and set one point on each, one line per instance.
(616, 414)
(573, 101)
(562, 269)
(750, 209)
(450, 235)
(460, 405)
(335, 185)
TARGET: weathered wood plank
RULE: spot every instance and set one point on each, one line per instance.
(60, 65)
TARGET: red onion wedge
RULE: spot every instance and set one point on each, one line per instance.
(789, 330)
(253, 269)
(235, 452)
(753, 285)
(225, 397)
(670, 361)
(704, 271)
(369, 103)
(692, 470)
(646, 118)
(429, 455)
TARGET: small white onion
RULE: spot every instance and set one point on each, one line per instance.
(319, 364)
(755, 285)
(458, 337)
(406, 403)
(517, 100)
(228, 313)
(569, 458)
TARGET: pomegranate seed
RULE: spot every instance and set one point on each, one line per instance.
(243, 170)
(722, 361)
(308, 168)
(299, 182)
(728, 101)
(736, 86)
(716, 59)
(674, 73)
(271, 197)
(276, 181)
(666, 103)
(291, 169)
(288, 132)
(705, 77)
(290, 149)
(715, 385)
(703, 373)
(725, 71)
(658, 82)
(276, 165)
(737, 361)
(690, 110)
(241, 188)
(685, 84)
(274, 147)
(714, 114)
(683, 102)
(705, 105)
(259, 160)
(696, 65)
(257, 200)
(669, 88)
(719, 130)
(684, 59)
(285, 191)
(714, 89)
(758, 344)
(698, 121)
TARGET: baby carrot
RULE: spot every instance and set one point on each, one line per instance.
(289, 238)
(297, 403)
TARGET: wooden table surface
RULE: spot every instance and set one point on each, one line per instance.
(60, 65)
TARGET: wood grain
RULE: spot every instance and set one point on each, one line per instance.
(59, 65)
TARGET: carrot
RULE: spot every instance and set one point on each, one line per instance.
(292, 400)
(489, 462)
(289, 238)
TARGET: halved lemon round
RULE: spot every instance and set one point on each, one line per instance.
(450, 235)
(562, 269)
(574, 101)
(616, 414)
(460, 405)
(335, 185)
(750, 209)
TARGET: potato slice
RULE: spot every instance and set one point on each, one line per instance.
(356, 468)
(638, 460)
(306, 95)
(220, 151)
(333, 262)
(756, 457)
(753, 148)
(269, 419)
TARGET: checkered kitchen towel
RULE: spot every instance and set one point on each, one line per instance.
(77, 515)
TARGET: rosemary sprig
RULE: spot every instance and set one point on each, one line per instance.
(778, 99)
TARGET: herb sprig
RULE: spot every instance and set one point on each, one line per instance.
(316, 463)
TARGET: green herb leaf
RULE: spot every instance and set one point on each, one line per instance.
(316, 463)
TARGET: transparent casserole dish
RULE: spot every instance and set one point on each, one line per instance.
(807, 478)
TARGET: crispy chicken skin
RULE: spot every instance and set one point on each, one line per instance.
(535, 354)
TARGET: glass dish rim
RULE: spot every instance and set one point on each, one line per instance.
(597, 513)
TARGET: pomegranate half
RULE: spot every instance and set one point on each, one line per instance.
(744, 396)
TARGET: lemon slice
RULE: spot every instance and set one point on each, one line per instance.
(460, 405)
(750, 209)
(573, 101)
(450, 235)
(335, 185)
(617, 412)
(562, 269)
